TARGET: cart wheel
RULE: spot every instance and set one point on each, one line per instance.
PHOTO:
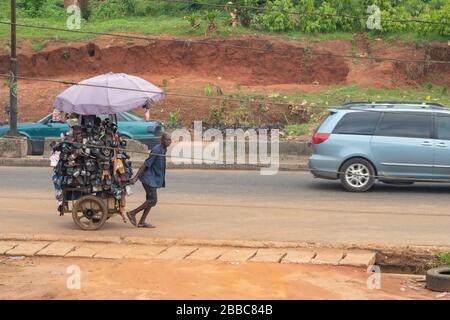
(90, 213)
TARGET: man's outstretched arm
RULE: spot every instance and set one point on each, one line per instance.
(138, 174)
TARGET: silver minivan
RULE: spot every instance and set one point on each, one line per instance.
(392, 142)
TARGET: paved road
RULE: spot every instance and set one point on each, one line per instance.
(231, 205)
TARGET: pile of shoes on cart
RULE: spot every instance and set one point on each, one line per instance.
(91, 158)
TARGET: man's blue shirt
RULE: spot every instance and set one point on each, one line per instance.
(155, 173)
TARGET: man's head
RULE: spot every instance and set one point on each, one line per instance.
(166, 140)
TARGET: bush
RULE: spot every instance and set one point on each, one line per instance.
(211, 17)
(154, 8)
(31, 8)
(277, 16)
(239, 116)
(440, 16)
(444, 258)
(40, 8)
(108, 9)
(326, 21)
(194, 19)
(307, 22)
(174, 119)
(129, 7)
(140, 8)
(307, 16)
(310, 16)
(5, 11)
(115, 8)
(245, 11)
(348, 9)
(216, 115)
(393, 12)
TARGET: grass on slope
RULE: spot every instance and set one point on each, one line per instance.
(170, 25)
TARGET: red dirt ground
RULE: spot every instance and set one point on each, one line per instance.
(46, 279)
(188, 67)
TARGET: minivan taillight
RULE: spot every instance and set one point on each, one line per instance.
(318, 138)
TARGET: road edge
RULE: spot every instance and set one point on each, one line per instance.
(422, 249)
(41, 162)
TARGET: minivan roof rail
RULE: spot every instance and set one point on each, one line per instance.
(373, 104)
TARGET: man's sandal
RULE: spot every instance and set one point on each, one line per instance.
(145, 225)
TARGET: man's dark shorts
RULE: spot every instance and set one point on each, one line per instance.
(151, 194)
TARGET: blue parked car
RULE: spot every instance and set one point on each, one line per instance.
(397, 143)
(131, 126)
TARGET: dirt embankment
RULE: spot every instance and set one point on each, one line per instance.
(412, 73)
(247, 61)
(266, 63)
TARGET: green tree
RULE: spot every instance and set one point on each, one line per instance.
(246, 12)
(31, 7)
(85, 8)
(278, 15)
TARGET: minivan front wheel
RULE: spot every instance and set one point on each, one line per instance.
(357, 175)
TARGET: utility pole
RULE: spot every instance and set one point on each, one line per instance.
(13, 76)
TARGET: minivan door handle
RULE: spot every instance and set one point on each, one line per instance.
(427, 144)
(442, 145)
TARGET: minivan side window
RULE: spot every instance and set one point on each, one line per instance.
(363, 123)
(406, 125)
(442, 123)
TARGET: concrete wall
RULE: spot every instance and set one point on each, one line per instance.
(295, 148)
(13, 147)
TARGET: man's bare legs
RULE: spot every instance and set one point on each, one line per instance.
(143, 206)
(146, 206)
(122, 205)
(142, 223)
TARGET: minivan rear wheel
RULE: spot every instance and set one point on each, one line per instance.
(357, 175)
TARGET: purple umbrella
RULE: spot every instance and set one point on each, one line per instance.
(108, 94)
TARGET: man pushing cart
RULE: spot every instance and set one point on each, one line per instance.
(92, 171)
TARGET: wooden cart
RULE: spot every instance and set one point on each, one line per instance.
(90, 210)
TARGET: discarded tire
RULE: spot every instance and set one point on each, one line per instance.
(438, 279)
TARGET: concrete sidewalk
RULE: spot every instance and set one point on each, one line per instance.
(174, 251)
